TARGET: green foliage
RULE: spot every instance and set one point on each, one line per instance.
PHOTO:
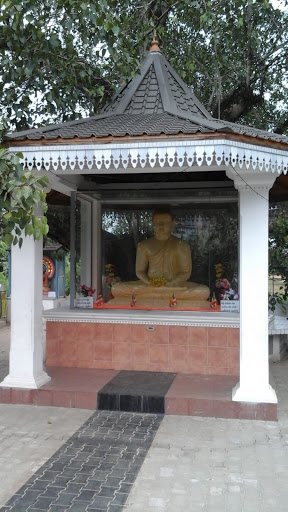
(54, 51)
(21, 192)
(234, 54)
(278, 253)
(63, 58)
(4, 265)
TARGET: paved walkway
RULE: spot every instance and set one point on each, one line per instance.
(28, 437)
(194, 464)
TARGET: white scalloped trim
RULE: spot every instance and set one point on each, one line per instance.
(107, 157)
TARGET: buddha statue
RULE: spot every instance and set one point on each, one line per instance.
(163, 267)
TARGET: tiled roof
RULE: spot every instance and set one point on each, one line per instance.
(141, 102)
(155, 102)
(117, 125)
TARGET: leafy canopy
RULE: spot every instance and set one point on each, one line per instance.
(20, 194)
(63, 58)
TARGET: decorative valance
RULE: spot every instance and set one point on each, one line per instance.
(103, 158)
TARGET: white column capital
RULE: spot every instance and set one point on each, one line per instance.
(251, 180)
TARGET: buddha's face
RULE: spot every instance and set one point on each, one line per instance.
(163, 225)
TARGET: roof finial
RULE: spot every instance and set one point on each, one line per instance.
(154, 44)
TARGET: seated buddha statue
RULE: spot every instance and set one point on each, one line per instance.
(163, 267)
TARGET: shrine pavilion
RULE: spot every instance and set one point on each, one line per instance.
(155, 144)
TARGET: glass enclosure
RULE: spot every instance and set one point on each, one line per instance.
(109, 228)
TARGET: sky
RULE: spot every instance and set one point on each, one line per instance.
(279, 4)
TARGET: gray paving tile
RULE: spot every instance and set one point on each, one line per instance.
(51, 492)
(78, 507)
(38, 485)
(86, 495)
(77, 464)
(60, 481)
(74, 488)
(113, 481)
(115, 508)
(93, 485)
(43, 503)
(125, 487)
(79, 479)
(12, 500)
(100, 502)
(107, 491)
(119, 498)
(57, 508)
(19, 507)
(64, 499)
(86, 474)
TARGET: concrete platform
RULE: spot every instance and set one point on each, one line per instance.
(186, 394)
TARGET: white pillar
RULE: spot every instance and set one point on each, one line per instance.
(26, 352)
(253, 187)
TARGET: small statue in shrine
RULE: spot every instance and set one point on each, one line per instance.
(99, 303)
(46, 288)
(213, 302)
(133, 301)
(173, 301)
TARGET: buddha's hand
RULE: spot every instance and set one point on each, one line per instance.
(158, 281)
(142, 276)
(176, 282)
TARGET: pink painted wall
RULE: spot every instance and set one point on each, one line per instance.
(182, 349)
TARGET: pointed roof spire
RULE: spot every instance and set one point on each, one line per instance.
(154, 44)
(156, 89)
